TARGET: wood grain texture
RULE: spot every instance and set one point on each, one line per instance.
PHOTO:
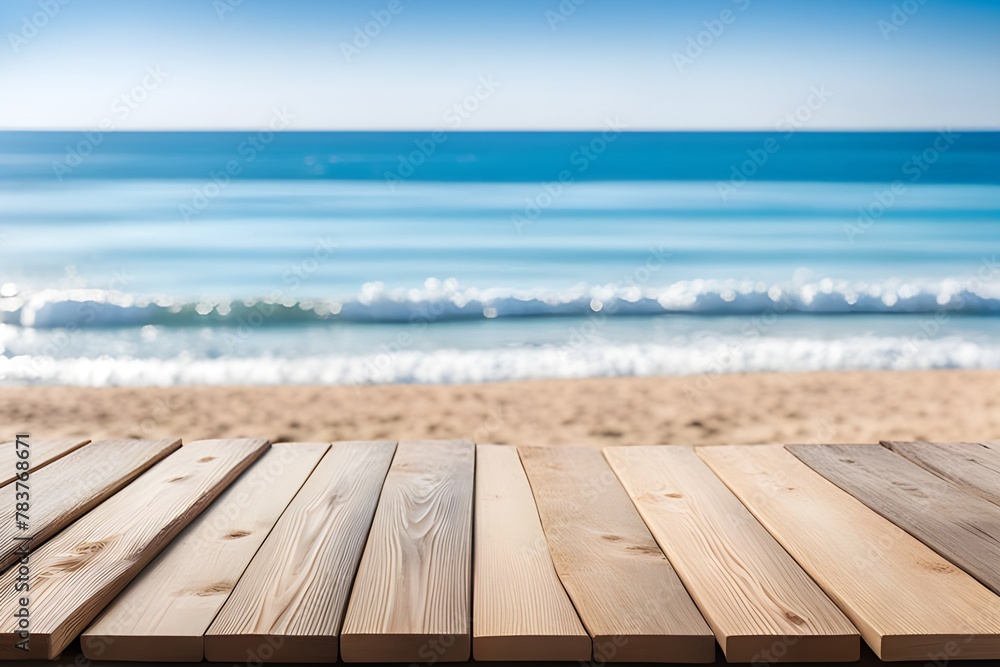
(411, 597)
(43, 452)
(289, 604)
(520, 609)
(76, 573)
(962, 527)
(73, 485)
(624, 589)
(752, 593)
(908, 602)
(167, 609)
(974, 466)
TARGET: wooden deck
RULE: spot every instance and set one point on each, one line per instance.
(154, 552)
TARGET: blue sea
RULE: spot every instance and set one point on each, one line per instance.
(419, 257)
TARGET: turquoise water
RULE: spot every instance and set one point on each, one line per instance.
(358, 258)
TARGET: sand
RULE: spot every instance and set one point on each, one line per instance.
(718, 409)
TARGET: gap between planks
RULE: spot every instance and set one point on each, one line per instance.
(42, 453)
(974, 466)
(624, 589)
(167, 608)
(79, 571)
(878, 574)
(962, 527)
(759, 602)
(411, 598)
(290, 601)
(520, 609)
(71, 486)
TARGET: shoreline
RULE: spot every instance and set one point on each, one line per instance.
(739, 408)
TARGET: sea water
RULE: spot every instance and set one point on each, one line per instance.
(228, 257)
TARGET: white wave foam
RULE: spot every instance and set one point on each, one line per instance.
(718, 355)
(444, 300)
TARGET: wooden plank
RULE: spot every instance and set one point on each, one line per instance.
(962, 527)
(289, 604)
(908, 602)
(520, 609)
(627, 594)
(73, 485)
(76, 573)
(974, 466)
(410, 601)
(167, 609)
(751, 592)
(43, 452)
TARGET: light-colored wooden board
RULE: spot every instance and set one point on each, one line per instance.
(73, 485)
(520, 609)
(410, 601)
(974, 466)
(75, 574)
(624, 589)
(167, 609)
(42, 453)
(907, 601)
(962, 527)
(289, 604)
(751, 592)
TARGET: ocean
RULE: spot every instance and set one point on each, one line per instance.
(429, 257)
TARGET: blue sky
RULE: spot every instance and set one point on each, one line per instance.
(548, 64)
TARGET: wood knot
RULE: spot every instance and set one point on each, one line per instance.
(940, 566)
(794, 618)
(236, 534)
(646, 550)
(179, 478)
(206, 459)
(218, 588)
(75, 558)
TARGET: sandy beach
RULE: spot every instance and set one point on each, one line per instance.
(716, 409)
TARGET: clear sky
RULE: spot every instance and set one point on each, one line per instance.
(511, 64)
